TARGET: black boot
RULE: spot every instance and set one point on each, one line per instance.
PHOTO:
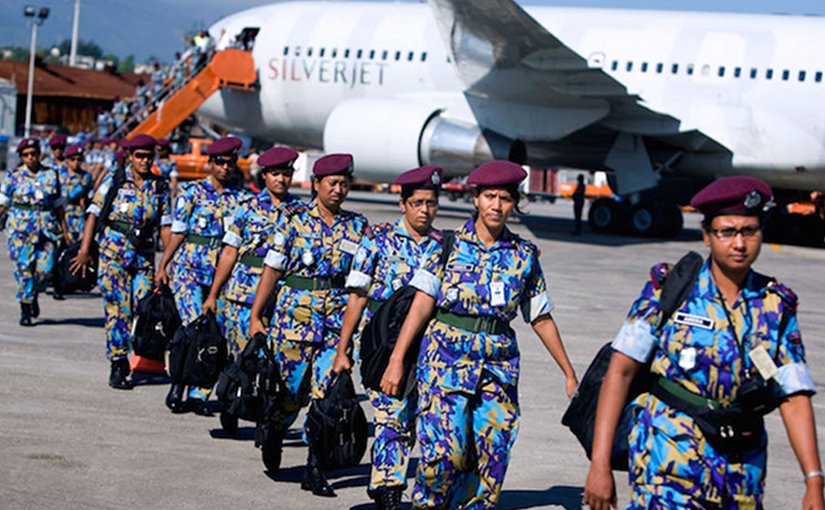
(199, 407)
(35, 308)
(26, 314)
(271, 447)
(174, 399)
(119, 377)
(387, 498)
(314, 479)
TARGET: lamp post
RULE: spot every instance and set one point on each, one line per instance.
(37, 18)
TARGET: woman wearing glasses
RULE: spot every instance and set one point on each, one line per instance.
(76, 183)
(730, 353)
(31, 195)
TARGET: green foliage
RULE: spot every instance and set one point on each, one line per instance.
(126, 65)
(89, 48)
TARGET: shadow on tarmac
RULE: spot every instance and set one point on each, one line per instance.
(87, 322)
(569, 498)
(560, 229)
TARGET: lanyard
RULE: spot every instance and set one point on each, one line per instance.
(742, 342)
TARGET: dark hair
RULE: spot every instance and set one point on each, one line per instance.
(408, 191)
(708, 219)
(512, 190)
(316, 179)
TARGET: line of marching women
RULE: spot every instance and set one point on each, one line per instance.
(311, 290)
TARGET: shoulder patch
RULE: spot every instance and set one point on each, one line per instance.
(294, 207)
(436, 235)
(658, 274)
(784, 292)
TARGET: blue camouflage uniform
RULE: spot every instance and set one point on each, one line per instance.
(306, 322)
(75, 186)
(385, 262)
(126, 271)
(168, 168)
(250, 232)
(467, 378)
(33, 230)
(701, 348)
(202, 214)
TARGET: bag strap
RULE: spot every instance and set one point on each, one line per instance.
(447, 244)
(678, 284)
(117, 182)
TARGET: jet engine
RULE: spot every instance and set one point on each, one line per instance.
(389, 136)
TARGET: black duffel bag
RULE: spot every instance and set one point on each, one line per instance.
(337, 426)
(245, 383)
(155, 324)
(65, 282)
(197, 353)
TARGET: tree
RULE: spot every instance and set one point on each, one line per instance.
(126, 65)
(84, 47)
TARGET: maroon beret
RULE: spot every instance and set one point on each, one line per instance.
(278, 157)
(75, 150)
(163, 142)
(121, 154)
(333, 164)
(425, 177)
(141, 142)
(734, 195)
(57, 140)
(497, 173)
(224, 146)
(28, 143)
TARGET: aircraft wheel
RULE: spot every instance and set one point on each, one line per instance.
(643, 220)
(602, 215)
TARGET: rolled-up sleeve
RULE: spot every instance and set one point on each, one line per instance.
(793, 375)
(182, 214)
(535, 301)
(278, 255)
(99, 198)
(636, 338)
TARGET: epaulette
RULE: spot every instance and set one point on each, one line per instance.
(658, 274)
(436, 235)
(784, 292)
(376, 229)
(294, 207)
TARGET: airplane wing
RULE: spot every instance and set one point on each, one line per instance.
(526, 84)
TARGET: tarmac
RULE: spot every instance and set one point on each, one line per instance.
(69, 441)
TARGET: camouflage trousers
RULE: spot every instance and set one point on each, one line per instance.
(33, 264)
(394, 438)
(75, 219)
(465, 442)
(234, 317)
(122, 287)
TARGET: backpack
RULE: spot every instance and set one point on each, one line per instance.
(580, 416)
(156, 322)
(381, 333)
(245, 384)
(197, 353)
(65, 281)
(336, 425)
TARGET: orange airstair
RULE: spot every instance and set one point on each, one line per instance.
(230, 68)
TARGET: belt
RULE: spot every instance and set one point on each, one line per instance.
(302, 283)
(374, 304)
(120, 226)
(212, 242)
(252, 261)
(475, 324)
(29, 207)
(675, 389)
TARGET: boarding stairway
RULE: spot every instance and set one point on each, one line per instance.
(174, 103)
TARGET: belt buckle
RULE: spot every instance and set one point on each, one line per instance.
(481, 324)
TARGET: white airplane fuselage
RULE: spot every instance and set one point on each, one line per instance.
(753, 83)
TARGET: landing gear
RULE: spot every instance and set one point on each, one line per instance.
(602, 215)
(644, 219)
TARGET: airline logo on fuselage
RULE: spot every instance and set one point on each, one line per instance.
(343, 72)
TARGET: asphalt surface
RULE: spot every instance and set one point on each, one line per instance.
(69, 441)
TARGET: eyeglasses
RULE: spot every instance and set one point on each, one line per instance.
(727, 234)
(223, 160)
(142, 155)
(28, 154)
(417, 204)
(76, 158)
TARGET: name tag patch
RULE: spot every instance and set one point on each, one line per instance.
(126, 192)
(348, 246)
(459, 267)
(693, 320)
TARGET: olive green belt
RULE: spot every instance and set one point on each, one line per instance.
(212, 242)
(302, 283)
(120, 226)
(252, 261)
(680, 392)
(29, 207)
(475, 324)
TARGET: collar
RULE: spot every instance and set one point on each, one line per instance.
(756, 285)
(468, 233)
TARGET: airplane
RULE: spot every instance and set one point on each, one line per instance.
(663, 101)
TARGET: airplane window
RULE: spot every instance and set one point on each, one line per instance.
(397, 55)
(629, 66)
(721, 71)
(424, 56)
(690, 69)
(737, 72)
(674, 68)
(309, 52)
(659, 67)
(297, 51)
(801, 75)
(818, 76)
(614, 65)
(410, 56)
(785, 75)
(372, 54)
(644, 67)
(321, 52)
(769, 74)
(286, 50)
(334, 52)
(346, 53)
(359, 53)
(753, 73)
(384, 55)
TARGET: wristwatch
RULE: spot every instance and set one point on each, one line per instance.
(813, 474)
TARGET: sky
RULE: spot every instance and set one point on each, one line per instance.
(155, 28)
